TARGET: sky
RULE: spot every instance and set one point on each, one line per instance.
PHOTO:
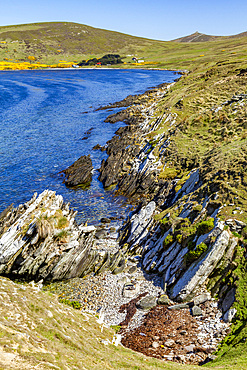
(154, 19)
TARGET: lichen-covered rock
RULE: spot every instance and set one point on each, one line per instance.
(147, 302)
(196, 311)
(163, 300)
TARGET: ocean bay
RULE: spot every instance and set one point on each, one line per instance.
(44, 115)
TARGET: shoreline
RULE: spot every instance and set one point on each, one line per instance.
(95, 68)
(161, 245)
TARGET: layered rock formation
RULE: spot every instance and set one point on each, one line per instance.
(185, 254)
(131, 163)
(41, 240)
(185, 233)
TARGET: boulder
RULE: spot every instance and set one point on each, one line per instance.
(196, 311)
(155, 345)
(202, 298)
(228, 300)
(229, 315)
(80, 172)
(169, 343)
(105, 220)
(180, 306)
(147, 302)
(164, 300)
(130, 290)
(189, 348)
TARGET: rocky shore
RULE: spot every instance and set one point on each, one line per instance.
(167, 278)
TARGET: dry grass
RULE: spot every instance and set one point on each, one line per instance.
(37, 331)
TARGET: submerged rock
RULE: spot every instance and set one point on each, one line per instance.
(80, 172)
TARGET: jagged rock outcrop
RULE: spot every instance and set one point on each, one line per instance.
(41, 240)
(79, 173)
(198, 272)
(185, 248)
(131, 163)
(186, 243)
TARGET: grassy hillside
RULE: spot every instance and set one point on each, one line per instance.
(210, 105)
(37, 331)
(55, 41)
(50, 42)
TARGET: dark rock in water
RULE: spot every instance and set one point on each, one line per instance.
(88, 132)
(80, 172)
(116, 117)
(97, 147)
(105, 220)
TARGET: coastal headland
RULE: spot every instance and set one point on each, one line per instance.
(173, 283)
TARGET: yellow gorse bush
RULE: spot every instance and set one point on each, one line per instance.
(9, 65)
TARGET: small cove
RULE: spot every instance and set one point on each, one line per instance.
(44, 115)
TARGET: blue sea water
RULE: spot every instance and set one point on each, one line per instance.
(43, 117)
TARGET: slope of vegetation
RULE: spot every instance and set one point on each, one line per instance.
(37, 331)
(54, 42)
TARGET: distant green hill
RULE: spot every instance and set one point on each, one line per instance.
(51, 42)
(201, 37)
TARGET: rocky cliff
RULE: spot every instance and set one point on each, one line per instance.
(182, 157)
